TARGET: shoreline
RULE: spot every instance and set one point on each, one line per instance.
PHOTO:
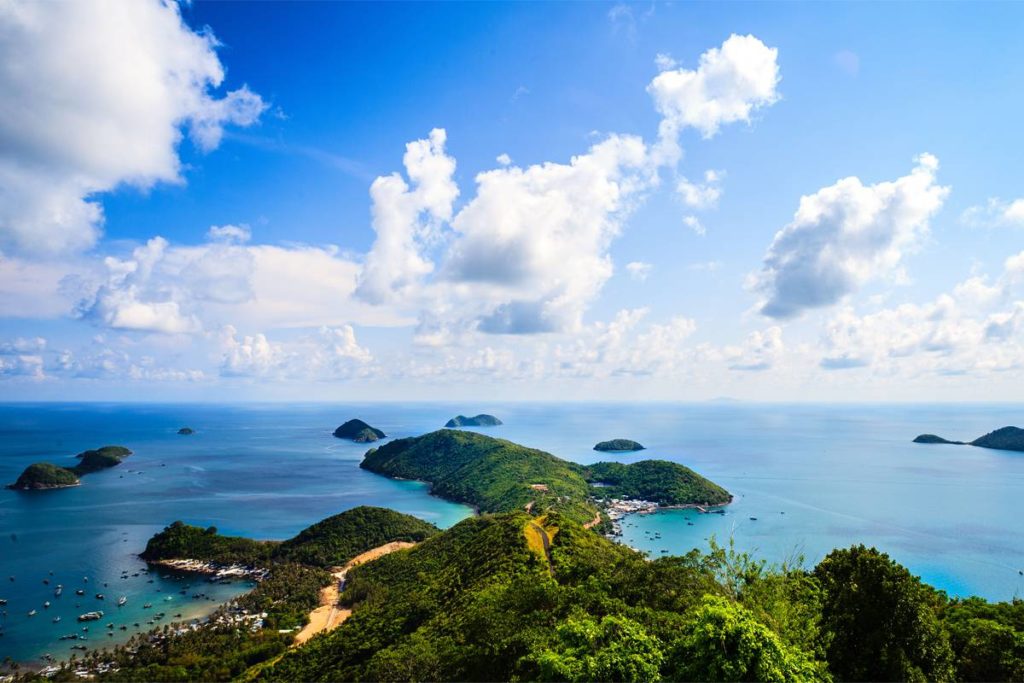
(218, 571)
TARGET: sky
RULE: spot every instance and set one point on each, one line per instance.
(522, 201)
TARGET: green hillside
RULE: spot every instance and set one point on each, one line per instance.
(44, 475)
(659, 481)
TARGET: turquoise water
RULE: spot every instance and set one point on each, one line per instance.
(814, 477)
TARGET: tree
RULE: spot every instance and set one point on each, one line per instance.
(614, 649)
(724, 642)
(879, 621)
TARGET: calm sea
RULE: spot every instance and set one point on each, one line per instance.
(806, 480)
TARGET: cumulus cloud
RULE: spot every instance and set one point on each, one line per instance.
(229, 233)
(330, 353)
(995, 213)
(701, 195)
(845, 235)
(95, 95)
(759, 352)
(729, 84)
(407, 218)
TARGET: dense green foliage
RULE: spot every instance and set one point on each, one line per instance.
(658, 481)
(883, 621)
(494, 475)
(481, 420)
(44, 475)
(338, 539)
(184, 541)
(987, 639)
(932, 438)
(100, 459)
(358, 431)
(328, 543)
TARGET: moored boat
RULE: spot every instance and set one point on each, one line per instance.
(90, 616)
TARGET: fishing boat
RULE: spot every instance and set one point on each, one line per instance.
(121, 601)
(90, 616)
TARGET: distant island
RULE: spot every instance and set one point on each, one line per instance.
(44, 475)
(481, 420)
(496, 475)
(618, 445)
(1004, 439)
(359, 431)
(186, 431)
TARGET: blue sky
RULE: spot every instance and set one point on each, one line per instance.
(189, 217)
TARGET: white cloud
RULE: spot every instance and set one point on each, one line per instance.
(330, 353)
(996, 213)
(504, 159)
(407, 218)
(701, 196)
(664, 62)
(729, 84)
(760, 351)
(638, 270)
(845, 235)
(694, 223)
(95, 96)
(229, 233)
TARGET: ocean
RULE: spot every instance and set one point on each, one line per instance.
(806, 478)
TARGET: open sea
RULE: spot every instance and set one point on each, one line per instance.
(806, 479)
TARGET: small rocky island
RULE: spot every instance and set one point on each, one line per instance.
(481, 420)
(618, 445)
(1004, 439)
(44, 475)
(359, 431)
(185, 431)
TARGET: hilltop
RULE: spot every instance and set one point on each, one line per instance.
(481, 420)
(359, 431)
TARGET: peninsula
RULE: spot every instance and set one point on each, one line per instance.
(496, 475)
(1004, 439)
(481, 420)
(359, 431)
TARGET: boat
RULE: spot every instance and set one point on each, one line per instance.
(46, 581)
(32, 613)
(90, 616)
(121, 601)
(147, 605)
(56, 620)
(58, 590)
(99, 596)
(79, 592)
(46, 605)
(3, 601)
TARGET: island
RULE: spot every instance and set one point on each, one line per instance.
(359, 431)
(1003, 439)
(44, 475)
(496, 475)
(618, 445)
(481, 420)
(185, 431)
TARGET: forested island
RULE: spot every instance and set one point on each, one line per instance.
(358, 431)
(617, 445)
(481, 420)
(1003, 439)
(45, 475)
